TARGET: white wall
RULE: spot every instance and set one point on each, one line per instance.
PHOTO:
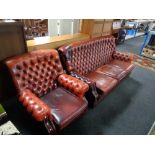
(58, 27)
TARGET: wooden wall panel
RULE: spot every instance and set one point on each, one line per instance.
(97, 27)
(107, 27)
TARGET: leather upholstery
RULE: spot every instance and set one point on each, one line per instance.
(34, 105)
(119, 67)
(112, 71)
(123, 56)
(37, 76)
(65, 106)
(83, 78)
(103, 82)
(92, 84)
(97, 59)
(86, 57)
(35, 71)
(73, 85)
(127, 66)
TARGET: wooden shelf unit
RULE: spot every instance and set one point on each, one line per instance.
(97, 27)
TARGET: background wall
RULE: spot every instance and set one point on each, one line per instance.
(58, 27)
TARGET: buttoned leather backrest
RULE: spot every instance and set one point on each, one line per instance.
(87, 56)
(35, 70)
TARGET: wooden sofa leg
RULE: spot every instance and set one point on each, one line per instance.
(50, 126)
(93, 100)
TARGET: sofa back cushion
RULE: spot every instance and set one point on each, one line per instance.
(87, 56)
(35, 70)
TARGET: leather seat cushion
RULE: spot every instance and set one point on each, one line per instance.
(112, 71)
(103, 82)
(65, 106)
(127, 66)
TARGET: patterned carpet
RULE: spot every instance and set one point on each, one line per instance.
(144, 62)
(134, 46)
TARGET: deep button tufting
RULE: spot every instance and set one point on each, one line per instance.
(57, 61)
(123, 56)
(37, 67)
(41, 58)
(34, 105)
(25, 64)
(23, 78)
(38, 61)
(36, 73)
(18, 67)
(25, 71)
(45, 58)
(51, 57)
(44, 64)
(30, 76)
(34, 85)
(42, 70)
(35, 79)
(33, 70)
(23, 85)
(79, 56)
(47, 74)
(17, 75)
(31, 62)
(73, 84)
(49, 68)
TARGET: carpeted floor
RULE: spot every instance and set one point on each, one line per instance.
(144, 62)
(129, 109)
(132, 45)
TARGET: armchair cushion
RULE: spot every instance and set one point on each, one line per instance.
(34, 105)
(127, 66)
(112, 71)
(65, 106)
(73, 84)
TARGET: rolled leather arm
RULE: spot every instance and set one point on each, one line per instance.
(123, 56)
(91, 83)
(83, 78)
(74, 85)
(39, 110)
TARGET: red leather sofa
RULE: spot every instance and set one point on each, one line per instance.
(47, 93)
(96, 62)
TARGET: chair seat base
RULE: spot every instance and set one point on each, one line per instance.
(103, 82)
(65, 106)
(116, 69)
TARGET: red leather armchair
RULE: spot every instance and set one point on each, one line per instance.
(46, 92)
(96, 62)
